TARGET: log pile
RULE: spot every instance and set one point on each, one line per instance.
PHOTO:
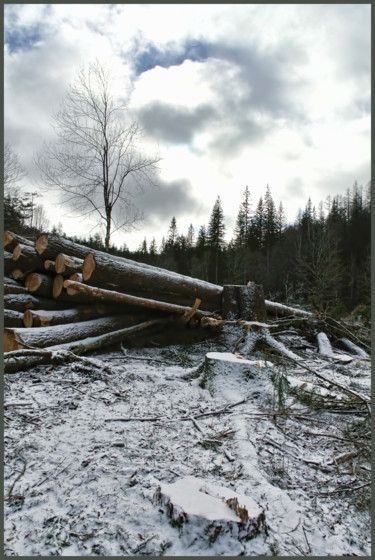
(57, 292)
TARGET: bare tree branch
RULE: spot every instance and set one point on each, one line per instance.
(95, 154)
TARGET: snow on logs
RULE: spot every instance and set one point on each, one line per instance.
(42, 337)
(122, 276)
(58, 288)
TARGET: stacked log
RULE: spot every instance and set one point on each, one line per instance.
(63, 291)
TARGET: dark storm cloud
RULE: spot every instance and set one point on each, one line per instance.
(262, 91)
(174, 124)
(168, 199)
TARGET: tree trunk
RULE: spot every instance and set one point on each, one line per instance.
(68, 265)
(22, 359)
(82, 292)
(49, 246)
(23, 301)
(9, 263)
(15, 339)
(13, 318)
(243, 302)
(77, 277)
(18, 274)
(103, 271)
(49, 266)
(281, 310)
(42, 318)
(57, 285)
(15, 289)
(26, 257)
(40, 284)
(12, 239)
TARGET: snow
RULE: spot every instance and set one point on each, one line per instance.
(195, 496)
(79, 481)
(237, 359)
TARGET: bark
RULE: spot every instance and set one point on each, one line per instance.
(49, 245)
(9, 263)
(42, 318)
(12, 239)
(26, 257)
(23, 301)
(68, 265)
(23, 359)
(112, 274)
(40, 284)
(243, 302)
(281, 310)
(41, 337)
(85, 293)
(13, 318)
(15, 289)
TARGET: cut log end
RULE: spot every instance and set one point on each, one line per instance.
(17, 251)
(41, 243)
(33, 282)
(10, 342)
(88, 266)
(28, 318)
(8, 238)
(57, 287)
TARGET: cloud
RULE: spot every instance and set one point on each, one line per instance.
(174, 124)
(168, 199)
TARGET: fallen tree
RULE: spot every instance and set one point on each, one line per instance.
(41, 337)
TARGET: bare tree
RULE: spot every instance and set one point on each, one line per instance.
(96, 155)
(14, 171)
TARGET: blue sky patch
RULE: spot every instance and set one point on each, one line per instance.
(22, 39)
(152, 56)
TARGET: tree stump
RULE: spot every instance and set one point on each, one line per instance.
(194, 505)
(243, 302)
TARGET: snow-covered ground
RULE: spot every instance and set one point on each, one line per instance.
(89, 448)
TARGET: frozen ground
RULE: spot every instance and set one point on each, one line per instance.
(88, 446)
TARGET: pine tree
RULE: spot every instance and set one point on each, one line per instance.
(153, 247)
(216, 227)
(172, 233)
(270, 221)
(243, 222)
(216, 241)
(257, 227)
(202, 238)
(280, 220)
(190, 236)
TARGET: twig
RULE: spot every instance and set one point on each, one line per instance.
(15, 404)
(307, 542)
(10, 493)
(279, 348)
(196, 424)
(142, 358)
(138, 419)
(349, 489)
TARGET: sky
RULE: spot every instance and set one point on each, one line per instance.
(229, 95)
